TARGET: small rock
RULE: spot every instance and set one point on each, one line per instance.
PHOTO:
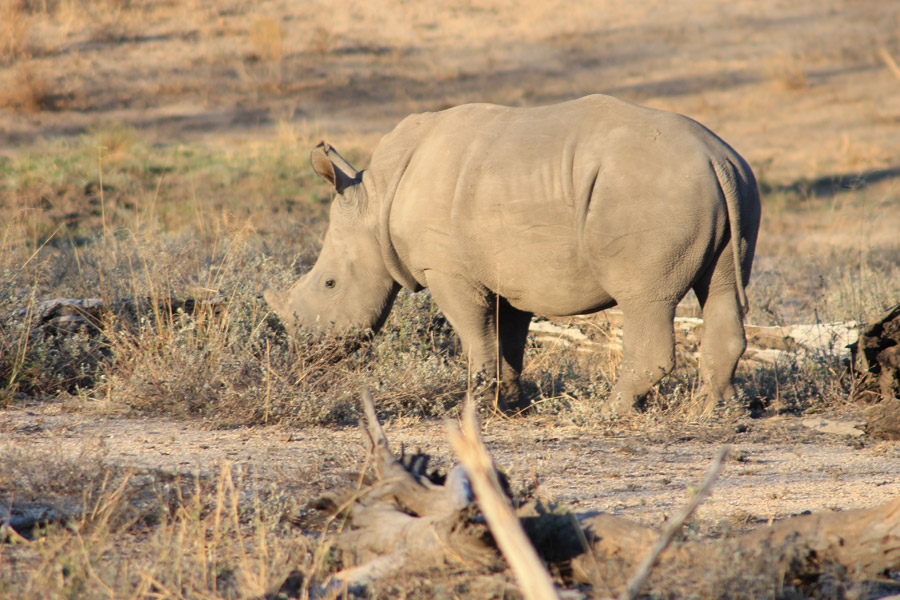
(850, 428)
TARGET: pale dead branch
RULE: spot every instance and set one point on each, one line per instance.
(533, 577)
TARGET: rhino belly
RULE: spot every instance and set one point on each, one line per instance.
(560, 301)
(541, 276)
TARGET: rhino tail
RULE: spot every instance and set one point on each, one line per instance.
(729, 186)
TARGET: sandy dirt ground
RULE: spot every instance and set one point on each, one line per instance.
(778, 467)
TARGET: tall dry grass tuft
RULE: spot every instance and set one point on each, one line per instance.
(321, 40)
(14, 30)
(266, 39)
(29, 93)
(263, 64)
(787, 72)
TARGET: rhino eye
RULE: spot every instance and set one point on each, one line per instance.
(329, 283)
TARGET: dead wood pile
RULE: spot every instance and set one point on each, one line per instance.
(401, 519)
(877, 353)
(876, 356)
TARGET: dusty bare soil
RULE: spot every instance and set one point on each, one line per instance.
(780, 466)
(808, 91)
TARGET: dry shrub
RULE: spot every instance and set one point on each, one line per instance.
(239, 366)
(14, 30)
(787, 73)
(266, 39)
(229, 361)
(262, 67)
(320, 40)
(29, 93)
(47, 363)
(52, 475)
(114, 27)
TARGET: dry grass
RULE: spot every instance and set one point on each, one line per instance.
(320, 40)
(145, 534)
(29, 93)
(14, 30)
(112, 217)
(24, 23)
(266, 39)
(787, 72)
(112, 213)
(132, 226)
(889, 60)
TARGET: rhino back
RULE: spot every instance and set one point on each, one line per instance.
(560, 208)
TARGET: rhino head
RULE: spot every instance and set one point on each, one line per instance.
(349, 291)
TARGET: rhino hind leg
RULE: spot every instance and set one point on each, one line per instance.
(648, 353)
(721, 344)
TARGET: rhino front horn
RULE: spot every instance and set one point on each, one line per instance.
(275, 299)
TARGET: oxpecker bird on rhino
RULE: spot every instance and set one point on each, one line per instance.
(504, 213)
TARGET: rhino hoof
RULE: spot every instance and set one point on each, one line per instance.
(620, 405)
(518, 407)
(727, 406)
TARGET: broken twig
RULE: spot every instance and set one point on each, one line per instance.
(643, 571)
(889, 61)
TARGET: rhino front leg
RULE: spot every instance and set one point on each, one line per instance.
(648, 352)
(472, 310)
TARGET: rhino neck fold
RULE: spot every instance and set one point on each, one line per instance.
(392, 261)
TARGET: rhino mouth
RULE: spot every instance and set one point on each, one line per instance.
(315, 344)
(328, 348)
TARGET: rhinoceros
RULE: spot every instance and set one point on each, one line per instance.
(507, 212)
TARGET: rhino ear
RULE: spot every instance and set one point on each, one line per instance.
(332, 167)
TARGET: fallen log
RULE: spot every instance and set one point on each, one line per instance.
(402, 519)
(862, 546)
(65, 315)
(602, 332)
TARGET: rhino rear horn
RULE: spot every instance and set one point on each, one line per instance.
(332, 167)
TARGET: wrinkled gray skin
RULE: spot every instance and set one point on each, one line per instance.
(558, 210)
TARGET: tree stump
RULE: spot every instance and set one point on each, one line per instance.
(876, 356)
(877, 353)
